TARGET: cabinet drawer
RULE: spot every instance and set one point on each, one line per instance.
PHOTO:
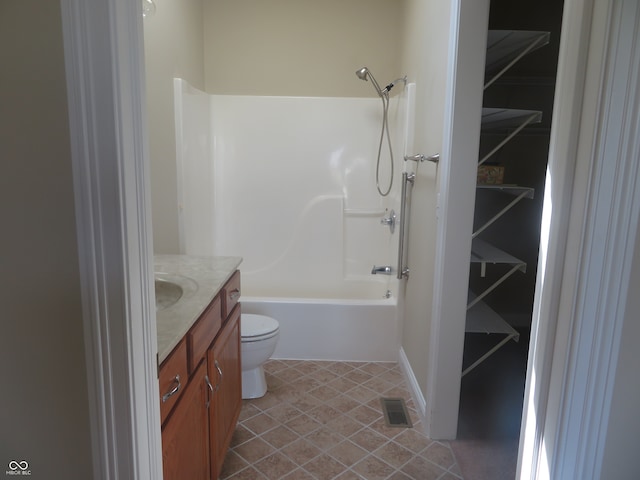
(173, 378)
(203, 332)
(231, 294)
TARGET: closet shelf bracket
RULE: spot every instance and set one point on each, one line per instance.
(519, 192)
(503, 118)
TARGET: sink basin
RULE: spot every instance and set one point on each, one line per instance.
(172, 288)
(167, 293)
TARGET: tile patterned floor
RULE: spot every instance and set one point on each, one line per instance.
(323, 420)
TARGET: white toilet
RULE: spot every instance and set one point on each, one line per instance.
(259, 336)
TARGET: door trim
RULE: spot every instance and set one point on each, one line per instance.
(105, 87)
(457, 172)
(591, 242)
(565, 133)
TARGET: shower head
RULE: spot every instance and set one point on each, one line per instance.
(363, 73)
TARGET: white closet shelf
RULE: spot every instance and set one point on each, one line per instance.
(483, 319)
(484, 253)
(506, 47)
(508, 118)
(509, 189)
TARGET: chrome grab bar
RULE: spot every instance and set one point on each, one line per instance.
(403, 272)
(406, 178)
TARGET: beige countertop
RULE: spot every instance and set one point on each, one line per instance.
(201, 279)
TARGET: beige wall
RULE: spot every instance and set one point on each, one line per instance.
(173, 40)
(425, 60)
(301, 47)
(44, 416)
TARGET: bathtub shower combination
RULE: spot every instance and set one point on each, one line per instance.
(291, 184)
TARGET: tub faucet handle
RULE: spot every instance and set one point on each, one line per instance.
(385, 270)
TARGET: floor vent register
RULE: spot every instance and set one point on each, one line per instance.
(395, 412)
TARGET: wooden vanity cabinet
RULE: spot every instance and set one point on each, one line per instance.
(231, 294)
(172, 379)
(223, 359)
(185, 436)
(203, 332)
(198, 424)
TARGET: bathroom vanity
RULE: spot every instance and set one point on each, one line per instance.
(199, 362)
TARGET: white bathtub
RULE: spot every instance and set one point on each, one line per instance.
(350, 329)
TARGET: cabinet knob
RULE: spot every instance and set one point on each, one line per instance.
(174, 390)
(234, 294)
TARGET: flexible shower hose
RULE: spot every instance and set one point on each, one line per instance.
(385, 127)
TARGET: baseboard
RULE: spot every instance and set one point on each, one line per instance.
(414, 387)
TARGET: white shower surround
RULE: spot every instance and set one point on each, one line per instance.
(288, 183)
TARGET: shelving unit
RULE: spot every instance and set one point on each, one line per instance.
(504, 49)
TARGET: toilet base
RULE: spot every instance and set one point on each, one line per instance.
(254, 383)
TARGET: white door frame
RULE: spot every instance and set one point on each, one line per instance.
(456, 186)
(105, 88)
(590, 234)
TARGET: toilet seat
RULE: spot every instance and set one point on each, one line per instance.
(254, 328)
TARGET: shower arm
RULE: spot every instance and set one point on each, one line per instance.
(388, 88)
(375, 85)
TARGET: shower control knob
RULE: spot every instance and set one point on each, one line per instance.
(390, 221)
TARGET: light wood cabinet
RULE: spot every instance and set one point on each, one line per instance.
(200, 409)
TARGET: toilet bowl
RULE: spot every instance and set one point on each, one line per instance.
(259, 337)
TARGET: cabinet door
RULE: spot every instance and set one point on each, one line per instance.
(225, 368)
(185, 436)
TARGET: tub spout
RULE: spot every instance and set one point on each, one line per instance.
(386, 270)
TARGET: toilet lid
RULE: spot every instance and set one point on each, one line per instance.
(253, 325)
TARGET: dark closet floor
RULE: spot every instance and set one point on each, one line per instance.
(491, 409)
